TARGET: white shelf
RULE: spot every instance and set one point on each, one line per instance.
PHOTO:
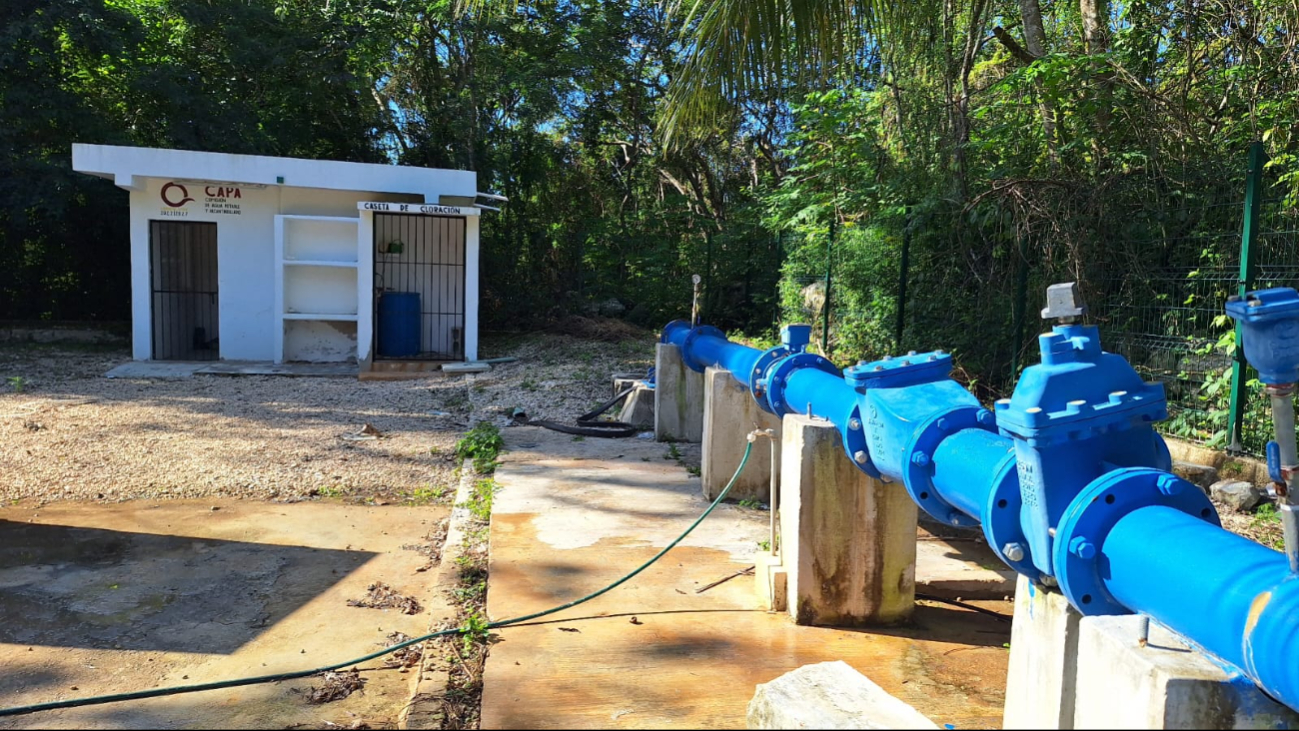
(318, 263)
(318, 316)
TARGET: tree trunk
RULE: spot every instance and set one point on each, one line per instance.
(1030, 12)
(1096, 39)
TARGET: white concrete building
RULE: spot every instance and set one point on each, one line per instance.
(251, 258)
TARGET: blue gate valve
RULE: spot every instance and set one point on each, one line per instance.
(1080, 413)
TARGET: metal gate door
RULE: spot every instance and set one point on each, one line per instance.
(423, 255)
(183, 276)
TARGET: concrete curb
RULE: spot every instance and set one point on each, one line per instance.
(429, 684)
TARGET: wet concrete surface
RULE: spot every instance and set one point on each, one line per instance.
(99, 599)
(656, 653)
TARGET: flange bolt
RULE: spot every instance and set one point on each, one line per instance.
(1082, 548)
(859, 457)
(854, 424)
(1170, 485)
(920, 459)
(987, 418)
(1013, 552)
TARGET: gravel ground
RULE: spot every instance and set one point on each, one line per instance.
(68, 433)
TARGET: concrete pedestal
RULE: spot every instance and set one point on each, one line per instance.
(729, 414)
(638, 407)
(848, 542)
(1068, 671)
(1162, 683)
(1041, 679)
(678, 398)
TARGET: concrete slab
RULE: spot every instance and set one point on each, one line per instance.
(572, 517)
(961, 568)
(830, 695)
(108, 598)
(259, 368)
(1042, 679)
(155, 369)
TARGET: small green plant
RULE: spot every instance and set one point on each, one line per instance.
(330, 491)
(472, 593)
(579, 438)
(765, 545)
(427, 494)
(644, 459)
(693, 470)
(482, 445)
(528, 385)
(673, 452)
(479, 503)
(17, 383)
(475, 630)
(752, 504)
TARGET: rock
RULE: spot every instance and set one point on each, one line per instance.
(829, 695)
(1236, 494)
(1202, 475)
(611, 307)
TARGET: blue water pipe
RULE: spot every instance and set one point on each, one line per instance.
(1067, 478)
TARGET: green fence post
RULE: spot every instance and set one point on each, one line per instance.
(1248, 255)
(903, 273)
(829, 273)
(1020, 304)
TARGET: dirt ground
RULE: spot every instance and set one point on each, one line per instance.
(68, 433)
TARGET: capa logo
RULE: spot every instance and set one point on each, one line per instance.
(168, 195)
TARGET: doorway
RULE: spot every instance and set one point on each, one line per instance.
(419, 268)
(183, 284)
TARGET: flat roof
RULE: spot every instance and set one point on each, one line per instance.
(129, 167)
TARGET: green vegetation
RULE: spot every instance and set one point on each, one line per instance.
(482, 445)
(427, 495)
(752, 504)
(479, 503)
(17, 383)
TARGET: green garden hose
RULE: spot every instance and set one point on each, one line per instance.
(293, 675)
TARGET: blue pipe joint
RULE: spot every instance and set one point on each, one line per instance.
(909, 405)
(778, 375)
(1074, 416)
(793, 340)
(1081, 569)
(1269, 321)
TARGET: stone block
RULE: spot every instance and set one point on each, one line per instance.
(678, 398)
(848, 542)
(1162, 683)
(830, 695)
(1236, 494)
(730, 413)
(772, 582)
(638, 407)
(1041, 681)
(1199, 474)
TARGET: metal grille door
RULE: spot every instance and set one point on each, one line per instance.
(425, 256)
(183, 276)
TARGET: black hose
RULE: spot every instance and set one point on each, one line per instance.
(589, 425)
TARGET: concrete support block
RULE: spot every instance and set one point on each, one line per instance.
(829, 695)
(678, 398)
(1041, 682)
(1162, 683)
(729, 414)
(848, 541)
(638, 407)
(772, 582)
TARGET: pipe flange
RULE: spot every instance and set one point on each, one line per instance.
(1001, 526)
(917, 471)
(1090, 517)
(700, 332)
(854, 443)
(757, 377)
(783, 369)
